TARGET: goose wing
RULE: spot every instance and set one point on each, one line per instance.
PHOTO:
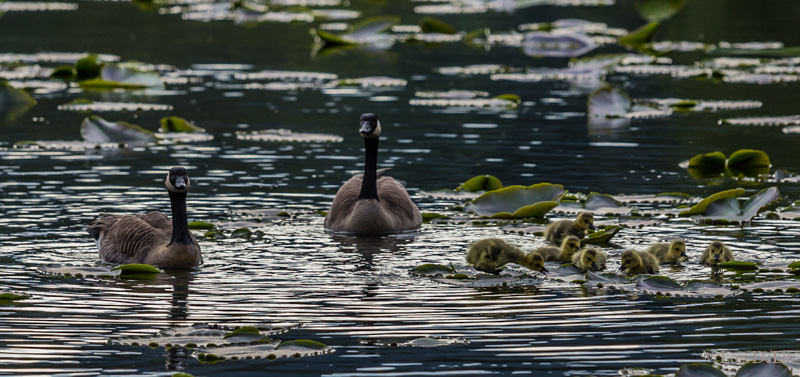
(129, 239)
(157, 220)
(394, 198)
(344, 203)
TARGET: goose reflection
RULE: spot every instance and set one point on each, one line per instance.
(369, 246)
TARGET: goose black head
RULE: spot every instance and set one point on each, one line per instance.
(177, 180)
(370, 126)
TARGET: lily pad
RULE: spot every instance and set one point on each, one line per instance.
(739, 266)
(14, 102)
(699, 370)
(504, 101)
(201, 225)
(749, 163)
(700, 208)
(428, 216)
(124, 77)
(10, 298)
(518, 201)
(302, 343)
(287, 136)
(666, 286)
(658, 10)
(764, 369)
(270, 351)
(481, 183)
(242, 233)
(729, 208)
(87, 68)
(611, 103)
(367, 32)
(177, 124)
(566, 44)
(432, 25)
(95, 129)
(707, 165)
(641, 36)
(601, 236)
(246, 332)
(433, 269)
(136, 268)
(85, 105)
(789, 120)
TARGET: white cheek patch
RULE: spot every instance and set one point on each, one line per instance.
(375, 133)
(172, 188)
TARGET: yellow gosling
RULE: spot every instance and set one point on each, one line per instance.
(589, 259)
(492, 254)
(569, 246)
(715, 254)
(673, 252)
(638, 262)
(556, 231)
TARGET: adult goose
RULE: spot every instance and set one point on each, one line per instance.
(372, 203)
(151, 238)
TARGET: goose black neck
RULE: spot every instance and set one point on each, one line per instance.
(180, 223)
(369, 185)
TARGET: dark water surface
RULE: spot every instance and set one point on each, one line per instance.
(356, 294)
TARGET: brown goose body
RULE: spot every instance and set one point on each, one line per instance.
(151, 238)
(370, 203)
(394, 211)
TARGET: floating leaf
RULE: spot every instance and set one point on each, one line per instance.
(177, 124)
(136, 268)
(87, 68)
(302, 343)
(10, 296)
(707, 165)
(268, 351)
(601, 235)
(433, 269)
(14, 102)
(367, 32)
(658, 10)
(85, 105)
(794, 265)
(244, 331)
(428, 216)
(481, 183)
(242, 233)
(200, 225)
(611, 103)
(640, 36)
(699, 370)
(125, 77)
(432, 25)
(749, 163)
(538, 43)
(739, 266)
(518, 201)
(788, 120)
(95, 129)
(64, 72)
(700, 208)
(287, 136)
(764, 369)
(728, 208)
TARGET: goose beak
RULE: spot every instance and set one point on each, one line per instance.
(544, 270)
(622, 267)
(594, 266)
(366, 129)
(180, 183)
(592, 227)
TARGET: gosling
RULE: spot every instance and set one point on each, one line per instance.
(638, 262)
(673, 252)
(492, 254)
(589, 259)
(569, 246)
(556, 231)
(715, 254)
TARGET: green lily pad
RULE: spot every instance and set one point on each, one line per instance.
(9, 296)
(700, 208)
(247, 331)
(136, 268)
(433, 269)
(794, 265)
(123, 76)
(428, 216)
(177, 124)
(287, 136)
(242, 233)
(302, 343)
(432, 25)
(707, 165)
(699, 370)
(789, 120)
(659, 284)
(601, 235)
(739, 266)
(640, 36)
(561, 44)
(87, 68)
(729, 209)
(518, 201)
(366, 32)
(14, 102)
(64, 72)
(181, 374)
(748, 163)
(200, 225)
(95, 129)
(764, 369)
(481, 183)
(262, 350)
(658, 10)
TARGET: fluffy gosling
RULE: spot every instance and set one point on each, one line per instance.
(673, 252)
(715, 254)
(589, 259)
(638, 262)
(556, 231)
(492, 254)
(569, 246)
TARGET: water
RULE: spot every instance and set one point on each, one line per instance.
(356, 294)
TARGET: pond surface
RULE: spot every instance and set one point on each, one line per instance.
(356, 294)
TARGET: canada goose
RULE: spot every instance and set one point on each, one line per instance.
(569, 246)
(557, 230)
(366, 204)
(716, 253)
(638, 262)
(589, 259)
(150, 238)
(672, 252)
(492, 254)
